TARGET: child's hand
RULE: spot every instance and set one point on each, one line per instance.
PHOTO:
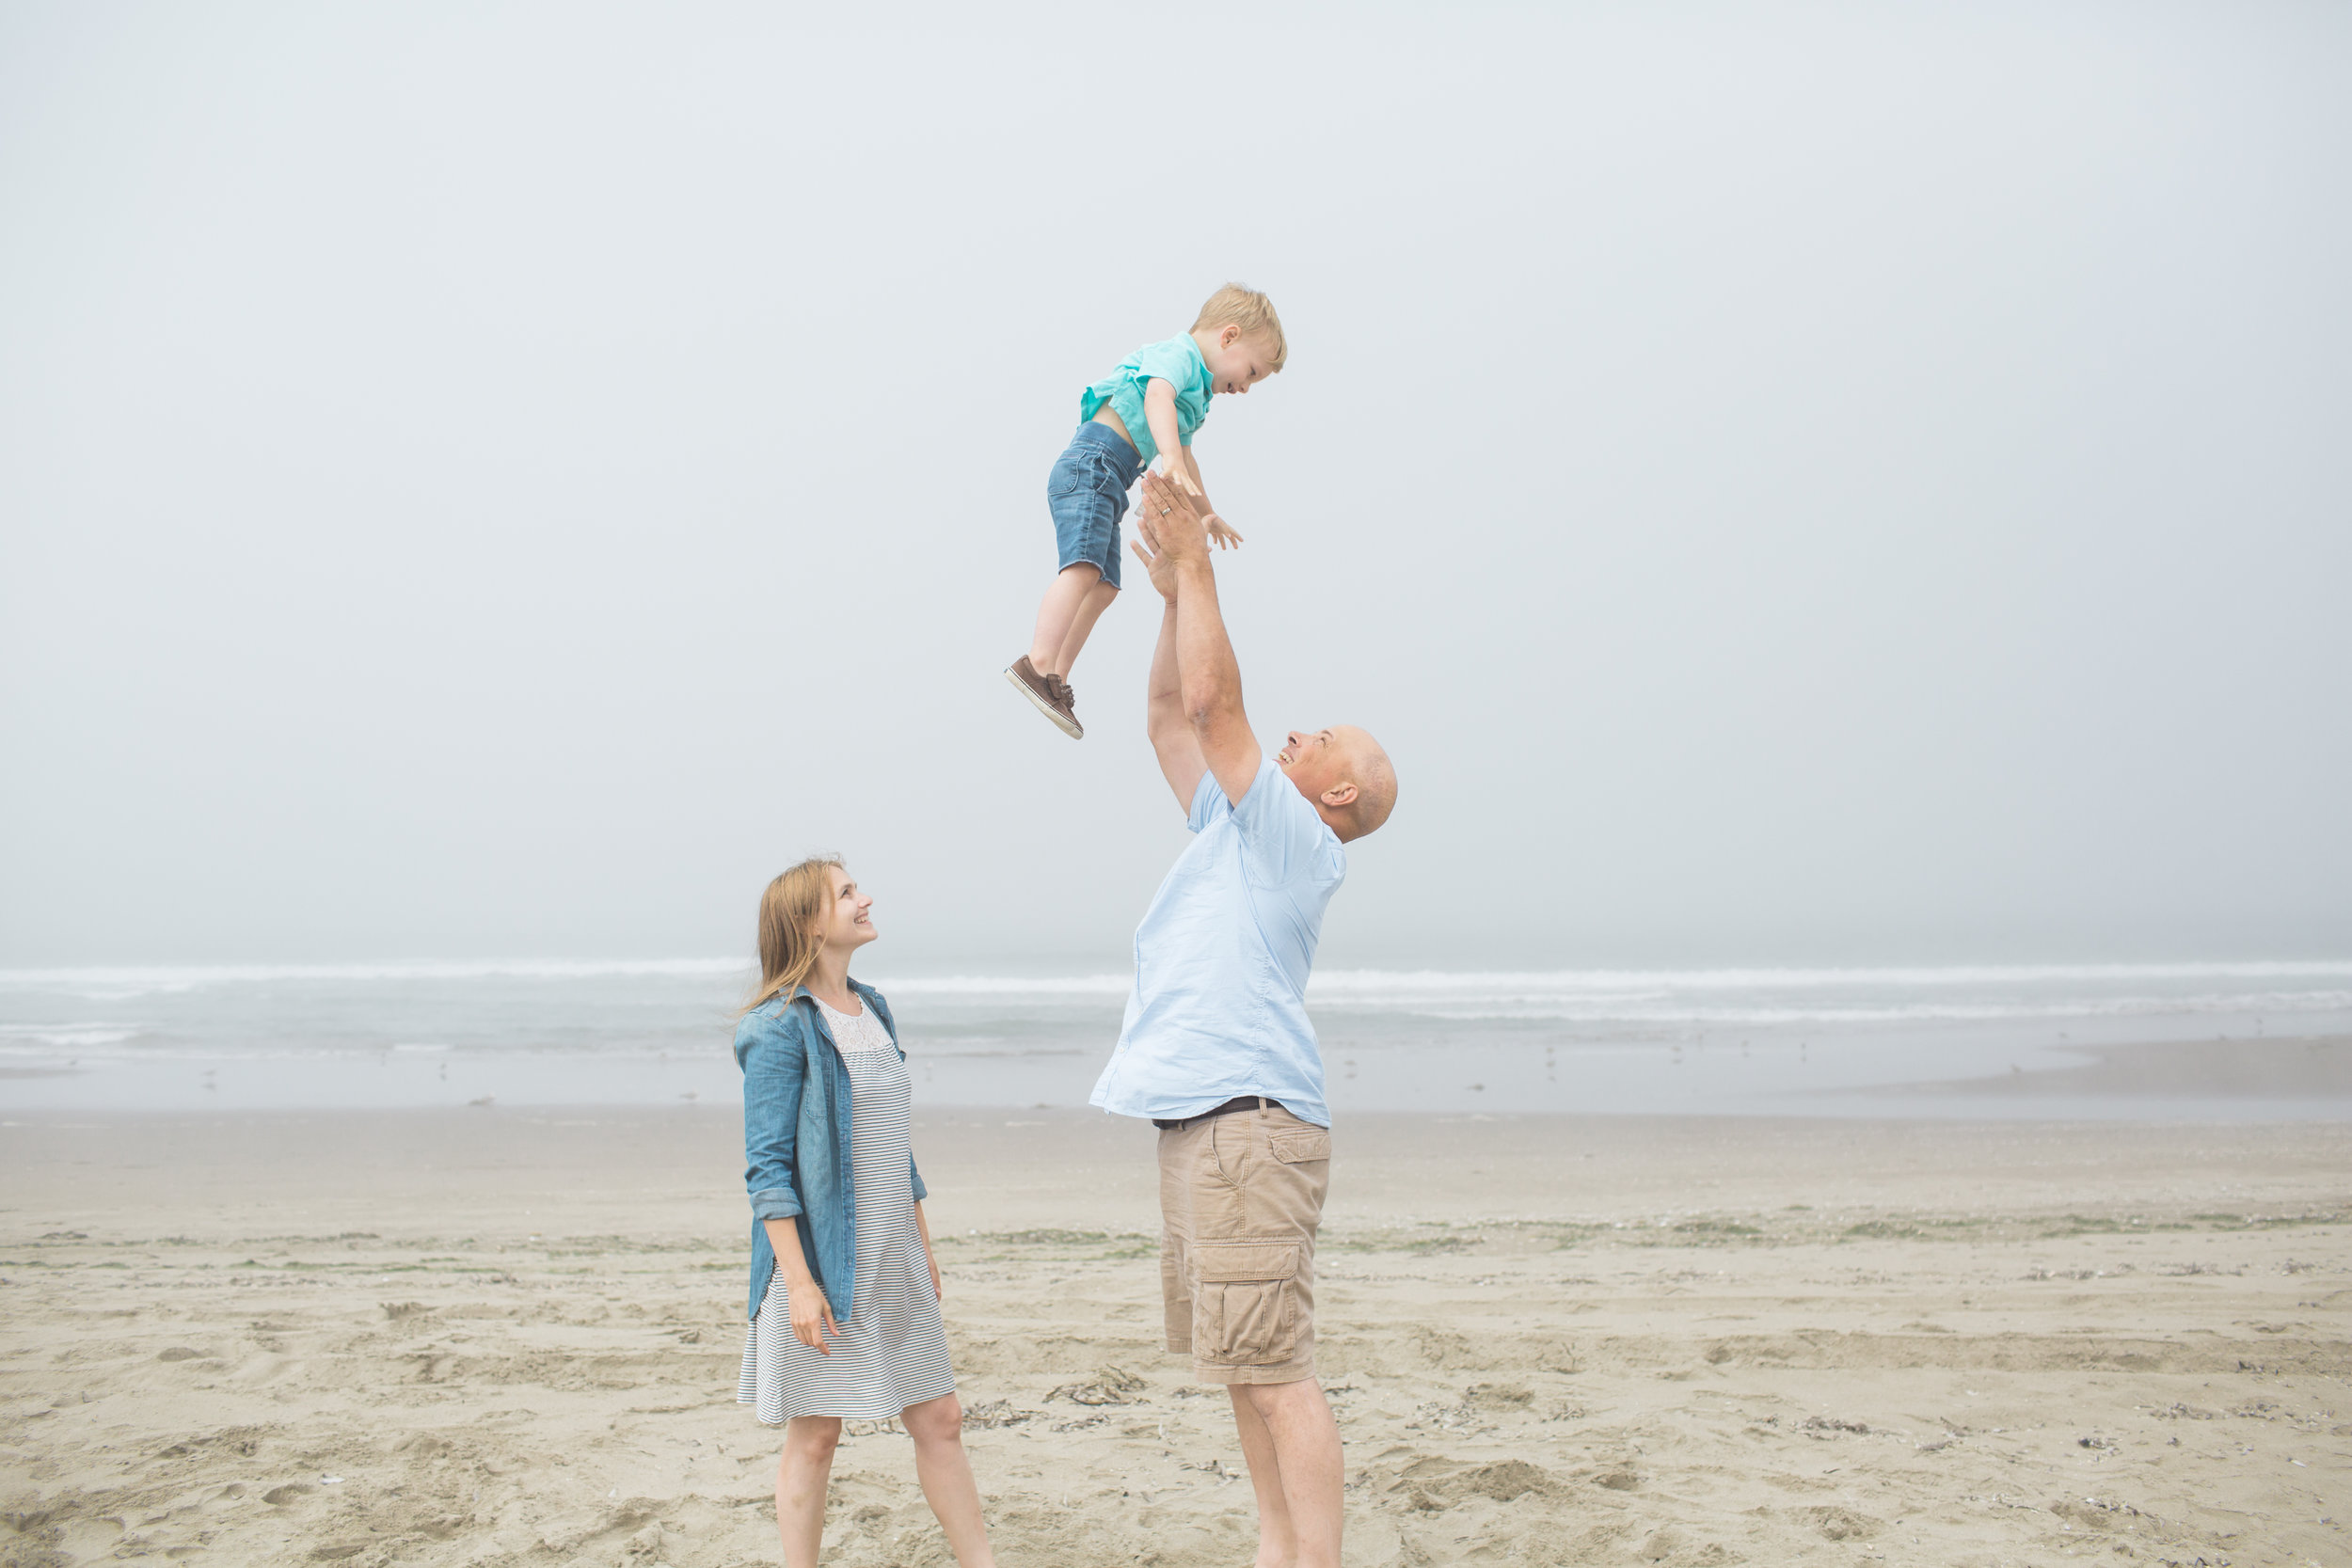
(1221, 533)
(1173, 468)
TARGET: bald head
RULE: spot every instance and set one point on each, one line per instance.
(1375, 783)
(1344, 774)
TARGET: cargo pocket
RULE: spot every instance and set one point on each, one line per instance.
(1246, 1313)
(1298, 1145)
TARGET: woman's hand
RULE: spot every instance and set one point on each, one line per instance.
(812, 1315)
(923, 1228)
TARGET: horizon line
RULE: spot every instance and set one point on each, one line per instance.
(1723, 976)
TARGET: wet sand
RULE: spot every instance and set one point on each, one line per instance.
(2313, 1069)
(501, 1337)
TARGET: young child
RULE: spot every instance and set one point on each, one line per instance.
(1147, 408)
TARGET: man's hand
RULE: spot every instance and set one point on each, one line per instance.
(1221, 533)
(1207, 680)
(812, 1317)
(1155, 561)
(1174, 520)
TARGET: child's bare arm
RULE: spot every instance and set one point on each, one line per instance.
(1192, 467)
(1221, 533)
(1159, 412)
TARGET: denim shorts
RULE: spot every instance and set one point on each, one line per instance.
(1087, 494)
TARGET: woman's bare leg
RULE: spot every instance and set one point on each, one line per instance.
(946, 1472)
(801, 1475)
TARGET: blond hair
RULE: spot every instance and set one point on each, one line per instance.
(1238, 305)
(792, 927)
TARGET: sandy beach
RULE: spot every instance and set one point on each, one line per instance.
(498, 1336)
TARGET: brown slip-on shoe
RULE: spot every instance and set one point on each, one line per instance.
(1066, 699)
(1042, 694)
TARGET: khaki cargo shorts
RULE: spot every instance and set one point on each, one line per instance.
(1241, 1197)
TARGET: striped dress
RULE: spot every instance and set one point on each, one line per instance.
(892, 1352)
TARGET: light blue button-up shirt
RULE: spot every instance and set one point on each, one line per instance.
(1220, 1003)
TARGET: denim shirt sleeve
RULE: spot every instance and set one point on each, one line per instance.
(774, 1057)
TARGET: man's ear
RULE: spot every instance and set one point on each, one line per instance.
(1338, 796)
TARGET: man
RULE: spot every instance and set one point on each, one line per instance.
(1216, 1049)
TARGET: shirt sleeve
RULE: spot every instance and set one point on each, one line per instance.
(771, 1112)
(1280, 833)
(1175, 361)
(1178, 362)
(1206, 797)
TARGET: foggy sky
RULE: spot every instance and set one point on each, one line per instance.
(1787, 483)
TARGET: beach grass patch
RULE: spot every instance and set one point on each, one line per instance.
(1433, 1246)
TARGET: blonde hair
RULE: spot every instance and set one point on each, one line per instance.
(1238, 305)
(791, 923)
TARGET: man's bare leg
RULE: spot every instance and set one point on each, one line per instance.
(1276, 1546)
(1292, 1445)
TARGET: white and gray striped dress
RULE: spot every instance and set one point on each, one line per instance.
(893, 1351)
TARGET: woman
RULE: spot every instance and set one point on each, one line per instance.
(845, 1292)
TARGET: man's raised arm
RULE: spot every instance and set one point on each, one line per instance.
(1207, 675)
(1164, 720)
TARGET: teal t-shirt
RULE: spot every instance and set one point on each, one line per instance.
(1178, 362)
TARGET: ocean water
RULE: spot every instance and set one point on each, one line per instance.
(1753, 1041)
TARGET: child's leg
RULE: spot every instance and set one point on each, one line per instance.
(801, 1475)
(946, 1472)
(1065, 601)
(1098, 599)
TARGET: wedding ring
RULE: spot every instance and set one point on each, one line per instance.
(1162, 510)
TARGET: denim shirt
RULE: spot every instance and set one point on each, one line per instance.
(799, 1116)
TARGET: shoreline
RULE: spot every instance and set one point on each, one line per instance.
(2221, 1080)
